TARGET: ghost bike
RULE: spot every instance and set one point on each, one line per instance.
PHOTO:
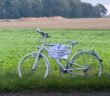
(36, 64)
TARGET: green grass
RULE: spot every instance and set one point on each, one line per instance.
(14, 43)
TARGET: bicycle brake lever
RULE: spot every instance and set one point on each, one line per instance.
(43, 33)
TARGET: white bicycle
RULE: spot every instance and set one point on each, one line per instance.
(36, 64)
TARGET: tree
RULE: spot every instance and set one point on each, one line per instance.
(24, 8)
(37, 8)
(40, 8)
(87, 10)
(2, 10)
(100, 10)
(75, 8)
(56, 8)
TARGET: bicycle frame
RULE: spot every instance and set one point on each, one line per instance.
(43, 48)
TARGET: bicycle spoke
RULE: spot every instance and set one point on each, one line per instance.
(26, 69)
(92, 65)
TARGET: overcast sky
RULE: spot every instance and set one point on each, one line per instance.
(106, 3)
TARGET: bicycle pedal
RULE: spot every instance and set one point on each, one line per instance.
(66, 71)
(86, 68)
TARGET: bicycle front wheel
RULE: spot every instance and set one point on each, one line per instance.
(87, 63)
(25, 66)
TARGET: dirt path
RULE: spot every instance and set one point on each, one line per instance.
(36, 93)
(57, 23)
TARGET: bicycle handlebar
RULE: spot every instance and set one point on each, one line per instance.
(43, 34)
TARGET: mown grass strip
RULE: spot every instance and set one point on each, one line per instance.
(14, 43)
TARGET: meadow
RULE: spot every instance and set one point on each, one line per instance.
(14, 43)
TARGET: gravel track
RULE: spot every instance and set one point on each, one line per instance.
(57, 23)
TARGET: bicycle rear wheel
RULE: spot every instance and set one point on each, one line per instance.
(25, 66)
(87, 63)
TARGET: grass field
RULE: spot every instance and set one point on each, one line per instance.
(14, 43)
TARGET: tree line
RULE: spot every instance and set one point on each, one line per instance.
(40, 8)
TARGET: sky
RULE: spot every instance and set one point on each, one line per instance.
(106, 3)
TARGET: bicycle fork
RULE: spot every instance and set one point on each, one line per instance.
(34, 67)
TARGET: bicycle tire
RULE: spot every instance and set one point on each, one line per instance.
(25, 66)
(89, 61)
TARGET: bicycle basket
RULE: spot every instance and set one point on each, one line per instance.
(58, 51)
